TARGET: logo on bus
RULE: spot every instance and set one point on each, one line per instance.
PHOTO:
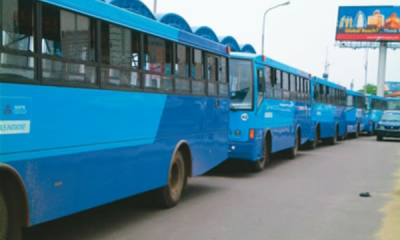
(245, 117)
(7, 110)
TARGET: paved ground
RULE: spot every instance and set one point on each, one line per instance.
(313, 197)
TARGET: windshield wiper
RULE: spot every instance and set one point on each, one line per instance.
(232, 107)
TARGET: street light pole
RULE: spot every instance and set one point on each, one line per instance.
(263, 30)
(155, 6)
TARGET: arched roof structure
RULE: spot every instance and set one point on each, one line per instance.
(248, 48)
(205, 32)
(174, 20)
(134, 6)
(231, 42)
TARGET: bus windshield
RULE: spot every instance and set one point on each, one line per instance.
(241, 84)
(391, 117)
(393, 104)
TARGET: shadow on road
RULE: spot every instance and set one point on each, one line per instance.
(103, 220)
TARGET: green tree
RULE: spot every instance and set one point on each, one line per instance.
(371, 89)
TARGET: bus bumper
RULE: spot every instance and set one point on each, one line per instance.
(242, 151)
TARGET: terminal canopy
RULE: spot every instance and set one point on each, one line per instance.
(174, 20)
(205, 32)
(135, 6)
(231, 42)
(248, 48)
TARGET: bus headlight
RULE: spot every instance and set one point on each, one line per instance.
(238, 133)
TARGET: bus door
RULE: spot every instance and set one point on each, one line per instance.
(260, 85)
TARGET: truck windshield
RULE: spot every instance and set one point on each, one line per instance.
(241, 84)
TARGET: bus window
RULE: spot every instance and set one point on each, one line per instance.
(157, 61)
(268, 82)
(223, 77)
(182, 61)
(66, 35)
(350, 101)
(285, 81)
(241, 84)
(16, 23)
(367, 104)
(212, 73)
(278, 79)
(260, 85)
(292, 83)
(197, 64)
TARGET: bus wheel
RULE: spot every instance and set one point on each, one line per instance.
(379, 138)
(292, 152)
(259, 165)
(313, 144)
(333, 140)
(357, 133)
(3, 217)
(373, 130)
(177, 179)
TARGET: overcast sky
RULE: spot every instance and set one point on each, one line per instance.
(297, 34)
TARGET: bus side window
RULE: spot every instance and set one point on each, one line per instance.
(260, 85)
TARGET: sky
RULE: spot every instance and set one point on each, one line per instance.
(301, 34)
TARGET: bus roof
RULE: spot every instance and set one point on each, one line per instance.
(354, 93)
(375, 97)
(327, 83)
(123, 17)
(270, 62)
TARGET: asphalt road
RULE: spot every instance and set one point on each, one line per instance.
(315, 196)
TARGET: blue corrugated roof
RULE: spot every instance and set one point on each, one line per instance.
(205, 32)
(231, 42)
(174, 20)
(134, 6)
(247, 48)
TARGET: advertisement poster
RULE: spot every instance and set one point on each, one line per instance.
(369, 23)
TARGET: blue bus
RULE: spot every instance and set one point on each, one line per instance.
(98, 104)
(270, 108)
(355, 105)
(393, 103)
(374, 107)
(328, 112)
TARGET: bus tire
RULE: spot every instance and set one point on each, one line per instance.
(259, 165)
(333, 140)
(313, 144)
(292, 152)
(357, 133)
(4, 219)
(169, 195)
(373, 130)
(10, 217)
(379, 138)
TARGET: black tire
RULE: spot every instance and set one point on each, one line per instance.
(379, 138)
(313, 144)
(292, 152)
(259, 165)
(333, 140)
(4, 219)
(357, 133)
(373, 130)
(169, 195)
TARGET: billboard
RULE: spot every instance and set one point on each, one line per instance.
(392, 89)
(368, 23)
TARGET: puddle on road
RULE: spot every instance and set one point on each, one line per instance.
(390, 229)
